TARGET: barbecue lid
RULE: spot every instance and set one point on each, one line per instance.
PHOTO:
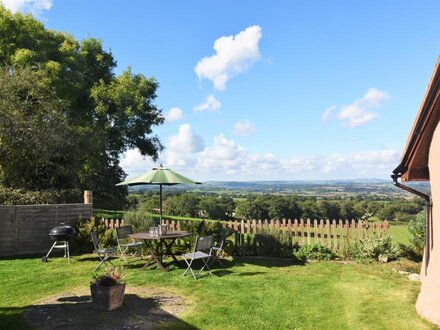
(62, 229)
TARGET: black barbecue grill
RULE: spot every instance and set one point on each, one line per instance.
(61, 236)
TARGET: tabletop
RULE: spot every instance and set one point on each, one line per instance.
(168, 235)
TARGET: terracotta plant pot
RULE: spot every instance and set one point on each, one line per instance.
(107, 298)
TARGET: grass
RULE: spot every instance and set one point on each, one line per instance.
(249, 293)
(399, 233)
(108, 214)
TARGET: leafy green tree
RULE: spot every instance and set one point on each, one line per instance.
(97, 114)
(279, 208)
(186, 205)
(327, 210)
(220, 208)
(37, 145)
(309, 209)
(254, 210)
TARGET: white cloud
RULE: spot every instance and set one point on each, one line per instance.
(357, 113)
(134, 163)
(325, 116)
(224, 154)
(174, 114)
(185, 141)
(226, 160)
(33, 6)
(234, 54)
(210, 104)
(244, 128)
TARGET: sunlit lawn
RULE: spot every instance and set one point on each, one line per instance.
(249, 293)
(399, 233)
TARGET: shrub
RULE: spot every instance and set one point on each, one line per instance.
(316, 252)
(9, 196)
(82, 241)
(268, 244)
(375, 248)
(410, 253)
(416, 228)
(139, 220)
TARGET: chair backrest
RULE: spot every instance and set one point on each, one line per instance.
(204, 243)
(123, 232)
(222, 239)
(95, 239)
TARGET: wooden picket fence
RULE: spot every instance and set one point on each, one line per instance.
(336, 235)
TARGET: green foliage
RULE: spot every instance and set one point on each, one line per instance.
(375, 248)
(9, 196)
(110, 277)
(316, 252)
(185, 204)
(416, 228)
(65, 117)
(268, 244)
(220, 208)
(139, 220)
(253, 209)
(82, 241)
(37, 145)
(410, 253)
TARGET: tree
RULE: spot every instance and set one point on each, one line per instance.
(279, 208)
(219, 208)
(102, 115)
(327, 210)
(186, 205)
(37, 145)
(254, 210)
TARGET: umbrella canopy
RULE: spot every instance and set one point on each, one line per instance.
(160, 176)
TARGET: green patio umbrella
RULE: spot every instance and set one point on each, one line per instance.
(160, 176)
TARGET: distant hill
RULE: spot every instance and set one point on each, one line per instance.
(325, 188)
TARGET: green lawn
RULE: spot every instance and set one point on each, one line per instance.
(249, 293)
(399, 233)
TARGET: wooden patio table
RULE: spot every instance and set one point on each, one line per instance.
(166, 240)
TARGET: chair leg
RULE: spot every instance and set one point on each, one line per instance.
(105, 260)
(216, 258)
(189, 268)
(205, 261)
(122, 255)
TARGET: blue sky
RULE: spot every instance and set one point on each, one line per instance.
(268, 90)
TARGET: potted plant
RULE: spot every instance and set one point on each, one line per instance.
(108, 289)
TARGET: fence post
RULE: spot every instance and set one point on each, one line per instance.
(315, 230)
(329, 236)
(335, 235)
(341, 237)
(308, 231)
(360, 228)
(386, 226)
(88, 197)
(301, 229)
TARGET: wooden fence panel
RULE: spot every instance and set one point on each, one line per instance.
(336, 235)
(25, 228)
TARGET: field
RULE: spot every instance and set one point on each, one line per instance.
(248, 293)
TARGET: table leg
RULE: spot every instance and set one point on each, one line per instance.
(155, 257)
(168, 250)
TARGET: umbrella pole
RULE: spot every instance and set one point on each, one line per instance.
(160, 204)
